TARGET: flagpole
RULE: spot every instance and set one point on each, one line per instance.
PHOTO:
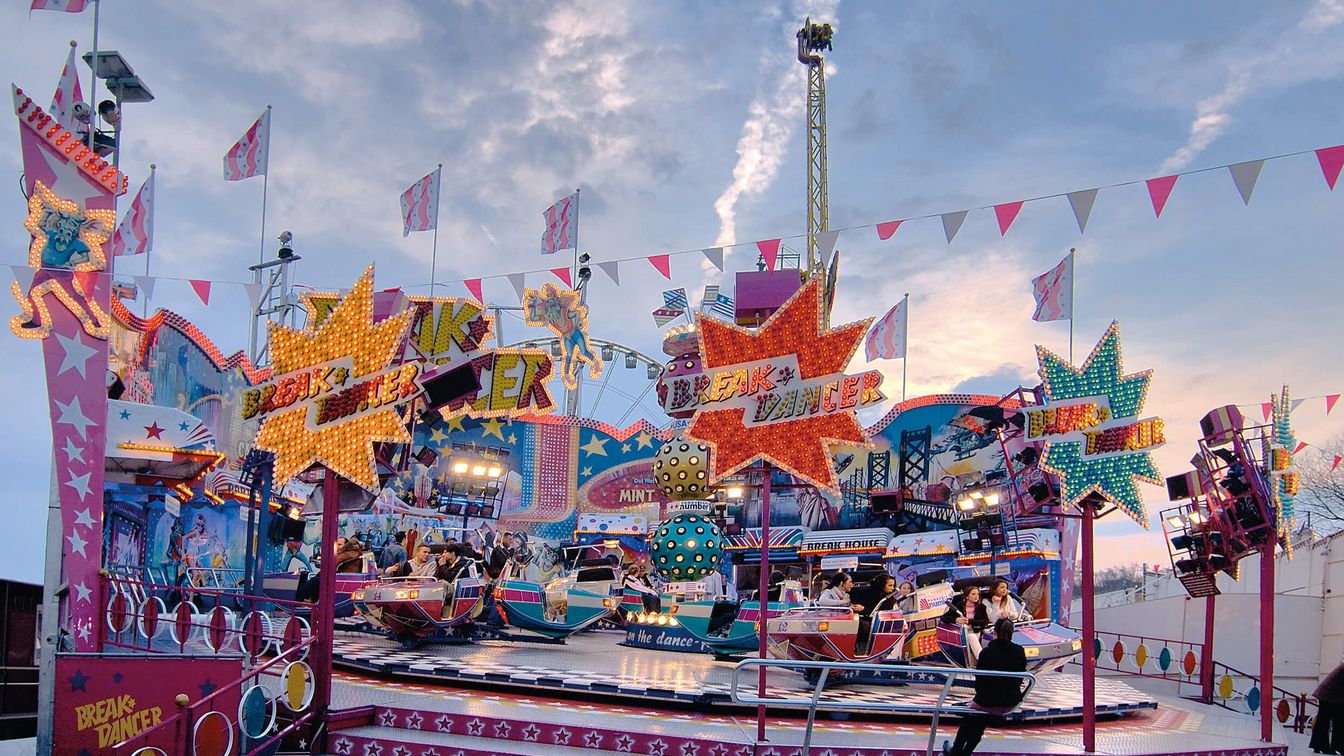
(265, 178)
(575, 396)
(905, 347)
(93, 85)
(1073, 274)
(434, 255)
(576, 244)
(144, 305)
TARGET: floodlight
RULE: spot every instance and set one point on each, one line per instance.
(460, 468)
(1175, 522)
(478, 471)
(966, 504)
(495, 471)
(1197, 518)
(734, 492)
(992, 500)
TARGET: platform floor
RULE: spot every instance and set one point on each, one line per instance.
(595, 664)
(419, 719)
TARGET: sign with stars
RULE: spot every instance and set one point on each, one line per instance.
(1095, 442)
(778, 393)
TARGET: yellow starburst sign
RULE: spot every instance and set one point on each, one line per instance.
(336, 391)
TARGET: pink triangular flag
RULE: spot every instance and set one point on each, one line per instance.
(1338, 459)
(1159, 189)
(563, 275)
(770, 251)
(1300, 446)
(1332, 160)
(1268, 408)
(474, 286)
(1007, 213)
(885, 230)
(663, 263)
(202, 289)
(1330, 400)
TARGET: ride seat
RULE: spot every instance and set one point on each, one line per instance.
(722, 615)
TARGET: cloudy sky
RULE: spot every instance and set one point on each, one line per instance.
(682, 124)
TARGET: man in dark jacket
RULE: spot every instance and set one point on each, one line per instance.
(1327, 735)
(994, 696)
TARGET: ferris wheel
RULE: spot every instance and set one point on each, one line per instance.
(628, 382)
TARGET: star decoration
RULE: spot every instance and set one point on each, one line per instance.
(153, 431)
(345, 447)
(77, 544)
(492, 427)
(413, 720)
(207, 687)
(625, 448)
(531, 732)
(513, 438)
(1100, 375)
(586, 472)
(438, 437)
(78, 681)
(596, 446)
(183, 426)
(80, 484)
(799, 447)
(83, 592)
(643, 440)
(82, 518)
(83, 632)
(75, 354)
(125, 415)
(454, 423)
(71, 414)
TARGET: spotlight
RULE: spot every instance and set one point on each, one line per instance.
(460, 468)
(478, 471)
(286, 251)
(734, 492)
(1027, 456)
(108, 111)
(1182, 542)
(992, 500)
(1176, 523)
(966, 504)
(494, 472)
(1197, 518)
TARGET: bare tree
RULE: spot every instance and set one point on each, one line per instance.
(1322, 489)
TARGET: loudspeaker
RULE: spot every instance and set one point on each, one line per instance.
(888, 502)
(1040, 492)
(451, 385)
(293, 529)
(1185, 486)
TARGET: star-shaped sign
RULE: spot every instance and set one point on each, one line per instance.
(454, 423)
(77, 544)
(80, 484)
(75, 353)
(596, 446)
(82, 518)
(344, 446)
(438, 437)
(800, 446)
(83, 592)
(644, 440)
(586, 472)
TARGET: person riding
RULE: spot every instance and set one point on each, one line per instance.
(420, 565)
(837, 592)
(906, 596)
(1001, 604)
(881, 595)
(637, 580)
(994, 696)
(350, 557)
(775, 586)
(451, 565)
(393, 553)
(967, 610)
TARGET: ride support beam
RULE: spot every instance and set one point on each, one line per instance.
(323, 625)
(1089, 634)
(1206, 658)
(1267, 641)
(763, 599)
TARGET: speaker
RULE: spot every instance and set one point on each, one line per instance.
(1184, 486)
(1040, 492)
(451, 385)
(293, 529)
(886, 502)
(426, 456)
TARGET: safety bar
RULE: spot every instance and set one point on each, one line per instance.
(814, 702)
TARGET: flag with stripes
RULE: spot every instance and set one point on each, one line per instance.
(248, 156)
(67, 94)
(64, 6)
(664, 315)
(135, 233)
(1053, 291)
(675, 299)
(888, 335)
(420, 205)
(561, 223)
(715, 302)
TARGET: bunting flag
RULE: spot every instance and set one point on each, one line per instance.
(474, 286)
(1159, 191)
(64, 6)
(663, 264)
(1268, 409)
(1300, 446)
(253, 294)
(24, 275)
(612, 269)
(1082, 201)
(135, 234)
(826, 244)
(1330, 400)
(1331, 160)
(1295, 404)
(715, 256)
(1244, 176)
(769, 252)
(1338, 459)
(564, 275)
(887, 339)
(1053, 291)
(146, 285)
(420, 204)
(886, 229)
(519, 282)
(561, 225)
(250, 155)
(1006, 214)
(952, 223)
(202, 289)
(67, 93)
(675, 299)
(663, 315)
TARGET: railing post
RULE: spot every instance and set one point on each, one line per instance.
(100, 622)
(1206, 655)
(1089, 634)
(1267, 641)
(812, 712)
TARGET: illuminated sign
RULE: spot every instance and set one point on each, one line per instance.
(324, 391)
(1094, 424)
(772, 391)
(561, 311)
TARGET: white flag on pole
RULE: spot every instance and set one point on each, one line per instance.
(135, 234)
(560, 222)
(420, 205)
(1053, 291)
(249, 156)
(888, 335)
(67, 94)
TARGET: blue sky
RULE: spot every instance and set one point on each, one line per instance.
(682, 122)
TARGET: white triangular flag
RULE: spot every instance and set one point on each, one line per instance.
(253, 294)
(1082, 202)
(1244, 175)
(826, 244)
(146, 284)
(612, 269)
(1296, 403)
(519, 282)
(715, 255)
(952, 223)
(24, 275)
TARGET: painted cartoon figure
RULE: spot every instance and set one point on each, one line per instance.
(64, 238)
(560, 311)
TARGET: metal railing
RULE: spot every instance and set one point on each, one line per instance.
(812, 703)
(1235, 690)
(1146, 656)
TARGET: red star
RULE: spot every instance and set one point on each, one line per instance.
(800, 447)
(154, 431)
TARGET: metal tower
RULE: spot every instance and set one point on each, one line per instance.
(812, 40)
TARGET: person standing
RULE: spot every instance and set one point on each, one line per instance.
(393, 553)
(994, 696)
(1327, 734)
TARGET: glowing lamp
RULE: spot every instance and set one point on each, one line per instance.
(495, 471)
(992, 500)
(966, 504)
(478, 470)
(1197, 518)
(1175, 522)
(460, 468)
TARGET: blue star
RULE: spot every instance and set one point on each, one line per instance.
(116, 677)
(207, 687)
(77, 681)
(182, 426)
(125, 415)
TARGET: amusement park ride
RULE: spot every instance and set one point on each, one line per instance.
(356, 415)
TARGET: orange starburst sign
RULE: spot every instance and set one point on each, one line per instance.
(797, 438)
(350, 338)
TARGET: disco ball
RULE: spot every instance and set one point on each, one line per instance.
(686, 547)
(682, 366)
(681, 469)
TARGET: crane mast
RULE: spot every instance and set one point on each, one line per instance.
(813, 39)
